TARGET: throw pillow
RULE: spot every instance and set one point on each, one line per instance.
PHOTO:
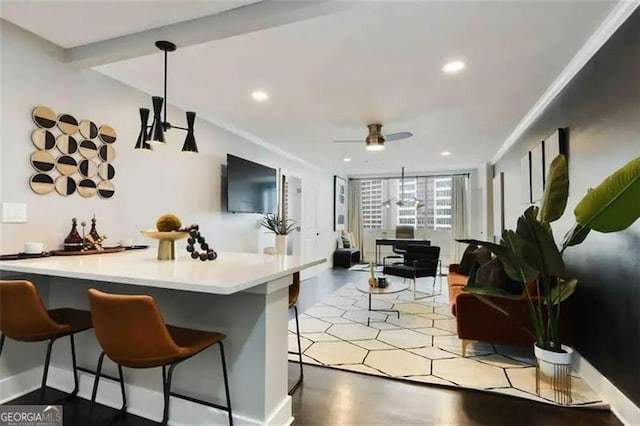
(468, 259)
(482, 255)
(473, 274)
(492, 273)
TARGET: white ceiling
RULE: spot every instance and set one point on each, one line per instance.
(329, 76)
(71, 23)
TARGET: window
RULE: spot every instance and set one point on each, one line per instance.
(428, 203)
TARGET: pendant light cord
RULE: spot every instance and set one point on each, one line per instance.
(165, 90)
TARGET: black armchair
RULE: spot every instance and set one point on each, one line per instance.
(420, 261)
(402, 231)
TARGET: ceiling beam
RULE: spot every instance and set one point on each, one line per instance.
(242, 20)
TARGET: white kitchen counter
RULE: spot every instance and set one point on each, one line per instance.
(229, 273)
(243, 295)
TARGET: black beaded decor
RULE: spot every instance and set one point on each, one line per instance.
(194, 236)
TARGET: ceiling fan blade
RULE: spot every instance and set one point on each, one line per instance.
(360, 141)
(398, 136)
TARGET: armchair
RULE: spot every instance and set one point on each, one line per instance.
(420, 261)
(402, 231)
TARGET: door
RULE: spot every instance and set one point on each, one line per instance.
(293, 210)
(310, 232)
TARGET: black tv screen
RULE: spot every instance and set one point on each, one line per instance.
(251, 187)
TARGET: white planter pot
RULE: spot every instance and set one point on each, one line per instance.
(547, 359)
(281, 244)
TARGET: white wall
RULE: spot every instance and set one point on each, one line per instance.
(147, 184)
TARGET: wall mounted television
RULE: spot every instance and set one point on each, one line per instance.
(251, 187)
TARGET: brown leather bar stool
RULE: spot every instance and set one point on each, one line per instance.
(133, 334)
(24, 317)
(294, 292)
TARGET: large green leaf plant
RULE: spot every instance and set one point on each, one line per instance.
(530, 253)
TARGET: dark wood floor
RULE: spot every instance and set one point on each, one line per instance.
(334, 397)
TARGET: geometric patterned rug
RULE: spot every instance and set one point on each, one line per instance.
(420, 346)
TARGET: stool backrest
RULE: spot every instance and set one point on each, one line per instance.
(130, 327)
(23, 316)
(294, 289)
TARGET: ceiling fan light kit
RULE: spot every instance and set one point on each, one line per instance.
(375, 139)
(159, 125)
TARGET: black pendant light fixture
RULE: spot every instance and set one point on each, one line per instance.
(155, 133)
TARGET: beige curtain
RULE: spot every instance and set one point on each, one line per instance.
(354, 214)
(459, 205)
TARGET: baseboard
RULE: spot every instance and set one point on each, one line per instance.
(19, 384)
(148, 403)
(624, 409)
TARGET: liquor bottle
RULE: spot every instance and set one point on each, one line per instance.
(73, 242)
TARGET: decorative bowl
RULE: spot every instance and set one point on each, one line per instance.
(167, 242)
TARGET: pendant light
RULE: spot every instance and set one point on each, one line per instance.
(159, 125)
(402, 202)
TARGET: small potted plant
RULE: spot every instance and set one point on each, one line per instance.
(530, 254)
(279, 226)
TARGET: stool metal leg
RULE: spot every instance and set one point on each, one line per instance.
(226, 382)
(76, 384)
(299, 353)
(167, 393)
(96, 380)
(45, 373)
(1, 343)
(124, 395)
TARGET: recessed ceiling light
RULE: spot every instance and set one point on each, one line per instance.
(259, 95)
(453, 67)
(445, 153)
(347, 159)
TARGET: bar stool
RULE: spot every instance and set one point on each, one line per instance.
(23, 317)
(294, 292)
(133, 334)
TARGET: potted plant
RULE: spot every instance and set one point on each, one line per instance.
(530, 253)
(279, 226)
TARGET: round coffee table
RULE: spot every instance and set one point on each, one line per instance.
(393, 287)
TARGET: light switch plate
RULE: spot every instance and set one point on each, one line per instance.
(14, 212)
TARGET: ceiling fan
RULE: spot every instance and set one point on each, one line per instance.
(375, 139)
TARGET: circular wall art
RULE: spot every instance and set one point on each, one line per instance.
(67, 144)
(87, 188)
(43, 161)
(43, 139)
(65, 185)
(107, 153)
(107, 134)
(66, 165)
(88, 149)
(88, 168)
(44, 117)
(106, 189)
(106, 171)
(67, 124)
(88, 129)
(41, 183)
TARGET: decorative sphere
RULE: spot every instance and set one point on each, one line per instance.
(212, 255)
(190, 248)
(203, 256)
(195, 226)
(204, 246)
(191, 240)
(200, 239)
(193, 233)
(168, 223)
(195, 255)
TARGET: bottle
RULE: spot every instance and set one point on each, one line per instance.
(372, 279)
(73, 242)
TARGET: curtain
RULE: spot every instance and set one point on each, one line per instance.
(459, 224)
(354, 214)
